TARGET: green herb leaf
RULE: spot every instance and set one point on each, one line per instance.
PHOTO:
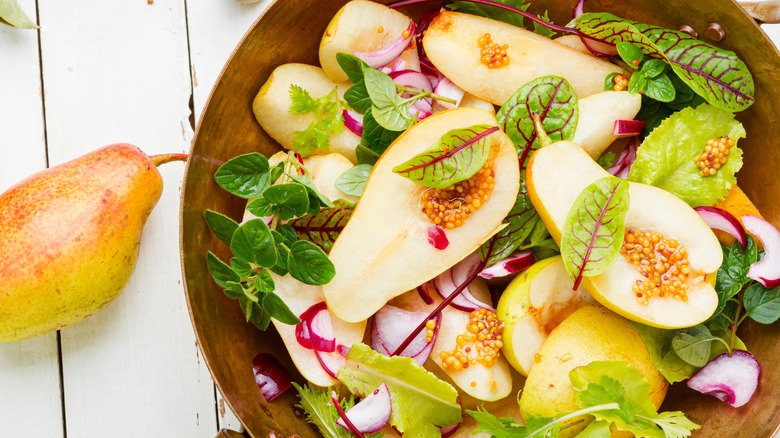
(323, 228)
(654, 112)
(420, 400)
(637, 82)
(221, 272)
(307, 181)
(666, 158)
(609, 81)
(521, 221)
(264, 282)
(694, 345)
(492, 11)
(761, 304)
(606, 160)
(732, 273)
(455, 157)
(242, 268)
(357, 97)
(555, 101)
(279, 310)
(495, 427)
(389, 109)
(290, 198)
(675, 424)
(652, 67)
(352, 65)
(659, 345)
(253, 243)
(375, 137)
(544, 30)
(630, 53)
(308, 264)
(245, 176)
(660, 88)
(327, 119)
(353, 181)
(594, 228)
(715, 74)
(316, 404)
(221, 225)
(11, 13)
(261, 207)
(596, 429)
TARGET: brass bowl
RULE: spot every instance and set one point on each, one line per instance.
(290, 31)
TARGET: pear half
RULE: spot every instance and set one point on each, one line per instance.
(533, 304)
(452, 44)
(597, 115)
(384, 251)
(557, 174)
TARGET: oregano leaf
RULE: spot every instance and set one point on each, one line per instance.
(353, 180)
(277, 308)
(220, 271)
(222, 226)
(594, 227)
(455, 157)
(291, 195)
(308, 264)
(264, 282)
(245, 176)
(253, 243)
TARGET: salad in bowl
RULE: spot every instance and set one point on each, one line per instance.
(487, 223)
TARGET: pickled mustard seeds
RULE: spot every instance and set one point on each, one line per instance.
(492, 55)
(664, 262)
(621, 82)
(714, 155)
(481, 343)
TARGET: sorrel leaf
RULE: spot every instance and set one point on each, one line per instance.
(520, 221)
(455, 157)
(717, 75)
(594, 228)
(555, 101)
(323, 228)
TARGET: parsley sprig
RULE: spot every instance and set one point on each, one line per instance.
(327, 118)
(282, 192)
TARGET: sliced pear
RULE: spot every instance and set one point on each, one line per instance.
(451, 43)
(468, 101)
(598, 113)
(383, 251)
(557, 174)
(591, 333)
(360, 25)
(299, 297)
(533, 304)
(272, 107)
(481, 382)
(325, 169)
(573, 42)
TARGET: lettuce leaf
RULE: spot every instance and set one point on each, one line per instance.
(666, 158)
(421, 401)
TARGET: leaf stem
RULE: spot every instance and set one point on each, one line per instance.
(422, 94)
(550, 425)
(737, 321)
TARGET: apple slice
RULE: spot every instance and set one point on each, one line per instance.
(360, 25)
(272, 107)
(558, 173)
(533, 304)
(452, 44)
(383, 251)
(598, 113)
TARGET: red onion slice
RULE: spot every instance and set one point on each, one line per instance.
(424, 294)
(720, 219)
(270, 376)
(331, 362)
(628, 128)
(446, 283)
(767, 270)
(353, 121)
(419, 81)
(627, 156)
(516, 262)
(448, 431)
(389, 329)
(334, 398)
(371, 414)
(732, 379)
(315, 331)
(399, 65)
(597, 48)
(387, 54)
(437, 238)
(446, 88)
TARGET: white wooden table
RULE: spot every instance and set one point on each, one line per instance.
(102, 72)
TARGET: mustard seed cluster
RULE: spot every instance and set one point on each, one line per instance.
(430, 326)
(481, 343)
(621, 82)
(663, 261)
(449, 207)
(492, 55)
(714, 155)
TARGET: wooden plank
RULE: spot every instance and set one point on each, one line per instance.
(215, 28)
(119, 72)
(30, 379)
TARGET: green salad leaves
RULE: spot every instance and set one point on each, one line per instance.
(319, 409)
(666, 158)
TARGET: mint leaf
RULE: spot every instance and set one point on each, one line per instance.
(220, 271)
(652, 68)
(674, 369)
(594, 228)
(253, 243)
(630, 53)
(375, 139)
(308, 264)
(761, 304)
(353, 181)
(420, 400)
(666, 158)
(260, 207)
(660, 88)
(245, 176)
(11, 13)
(455, 157)
(222, 226)
(388, 109)
(694, 344)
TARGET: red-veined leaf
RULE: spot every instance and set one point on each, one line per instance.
(323, 228)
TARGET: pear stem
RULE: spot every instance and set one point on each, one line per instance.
(167, 158)
(541, 134)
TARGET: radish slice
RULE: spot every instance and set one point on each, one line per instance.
(446, 283)
(623, 163)
(513, 264)
(270, 376)
(732, 379)
(720, 219)
(389, 329)
(424, 294)
(419, 81)
(387, 54)
(437, 238)
(353, 121)
(331, 362)
(334, 398)
(628, 128)
(371, 414)
(315, 331)
(446, 88)
(399, 65)
(767, 270)
(449, 430)
(596, 47)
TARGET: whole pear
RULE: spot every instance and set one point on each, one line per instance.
(69, 238)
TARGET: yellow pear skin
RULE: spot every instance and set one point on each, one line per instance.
(69, 238)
